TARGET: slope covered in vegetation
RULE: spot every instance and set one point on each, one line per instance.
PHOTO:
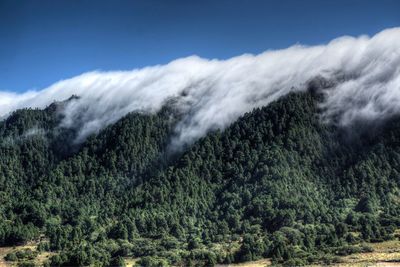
(277, 183)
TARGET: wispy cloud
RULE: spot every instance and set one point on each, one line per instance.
(214, 93)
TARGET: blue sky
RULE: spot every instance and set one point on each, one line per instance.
(44, 41)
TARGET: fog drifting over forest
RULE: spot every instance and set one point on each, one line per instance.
(364, 74)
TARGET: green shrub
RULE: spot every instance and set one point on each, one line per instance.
(11, 257)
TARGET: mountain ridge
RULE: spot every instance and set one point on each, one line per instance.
(277, 183)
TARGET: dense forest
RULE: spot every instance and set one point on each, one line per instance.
(277, 183)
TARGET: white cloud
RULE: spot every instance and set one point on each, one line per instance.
(214, 93)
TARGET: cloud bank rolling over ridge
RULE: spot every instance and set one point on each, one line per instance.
(364, 71)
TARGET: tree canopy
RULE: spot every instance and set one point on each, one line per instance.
(277, 183)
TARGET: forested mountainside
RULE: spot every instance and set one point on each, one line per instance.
(277, 183)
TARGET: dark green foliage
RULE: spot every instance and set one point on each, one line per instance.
(26, 264)
(11, 257)
(151, 262)
(22, 256)
(117, 262)
(277, 183)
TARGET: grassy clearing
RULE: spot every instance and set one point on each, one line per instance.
(130, 262)
(259, 263)
(3, 252)
(384, 252)
(38, 260)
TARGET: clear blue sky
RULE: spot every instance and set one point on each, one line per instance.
(43, 41)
